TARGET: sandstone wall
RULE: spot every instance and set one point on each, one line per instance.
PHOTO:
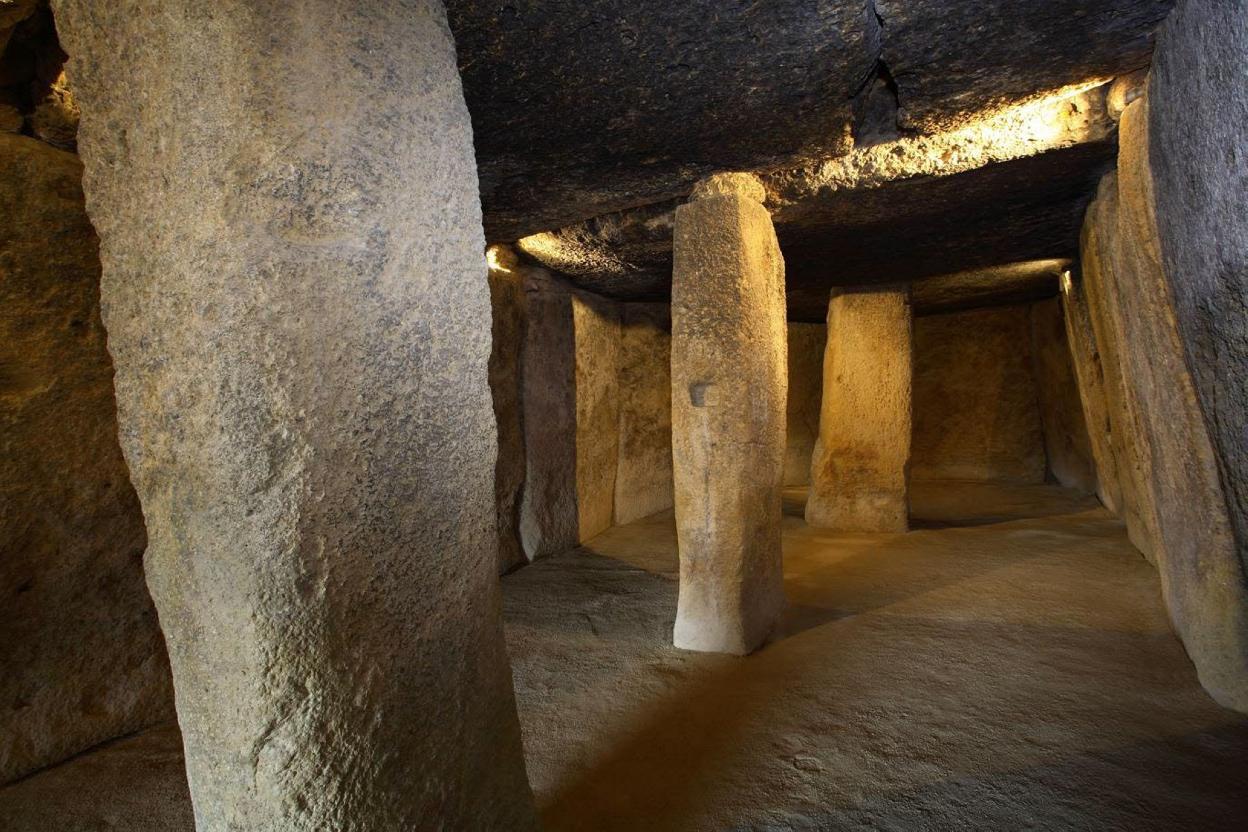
(1066, 441)
(1173, 488)
(643, 480)
(806, 346)
(1198, 125)
(507, 305)
(81, 656)
(596, 326)
(976, 412)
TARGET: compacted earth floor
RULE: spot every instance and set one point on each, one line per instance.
(1005, 666)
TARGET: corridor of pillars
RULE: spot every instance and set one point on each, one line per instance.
(434, 415)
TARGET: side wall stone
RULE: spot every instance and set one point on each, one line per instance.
(297, 306)
(596, 324)
(1187, 523)
(806, 347)
(643, 480)
(81, 656)
(976, 412)
(507, 394)
(1066, 442)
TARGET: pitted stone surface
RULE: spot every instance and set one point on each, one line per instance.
(729, 384)
(297, 305)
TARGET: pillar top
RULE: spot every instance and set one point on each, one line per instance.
(730, 184)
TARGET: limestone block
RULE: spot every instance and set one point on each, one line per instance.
(1066, 441)
(860, 469)
(976, 413)
(806, 346)
(1090, 376)
(298, 310)
(507, 305)
(729, 381)
(1176, 472)
(1198, 123)
(643, 479)
(596, 322)
(81, 656)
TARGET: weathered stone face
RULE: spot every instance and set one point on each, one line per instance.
(643, 480)
(297, 306)
(976, 415)
(1066, 442)
(860, 470)
(596, 323)
(1172, 471)
(1198, 124)
(81, 654)
(729, 381)
(952, 59)
(806, 347)
(507, 306)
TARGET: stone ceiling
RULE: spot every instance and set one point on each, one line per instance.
(593, 119)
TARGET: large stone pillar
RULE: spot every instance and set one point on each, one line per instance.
(860, 473)
(729, 383)
(296, 299)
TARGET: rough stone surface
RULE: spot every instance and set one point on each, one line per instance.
(548, 518)
(1198, 123)
(596, 322)
(506, 391)
(81, 655)
(1066, 442)
(643, 480)
(860, 469)
(1090, 377)
(298, 310)
(1009, 188)
(806, 347)
(1181, 496)
(729, 381)
(999, 286)
(976, 413)
(582, 107)
(55, 119)
(953, 59)
(1130, 441)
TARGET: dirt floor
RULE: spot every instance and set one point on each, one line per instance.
(1006, 666)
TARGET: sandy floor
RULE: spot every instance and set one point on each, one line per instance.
(984, 672)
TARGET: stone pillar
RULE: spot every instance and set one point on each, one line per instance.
(860, 473)
(296, 298)
(729, 384)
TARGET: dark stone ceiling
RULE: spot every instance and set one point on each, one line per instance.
(593, 118)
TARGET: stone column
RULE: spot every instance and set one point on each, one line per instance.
(296, 298)
(729, 384)
(860, 474)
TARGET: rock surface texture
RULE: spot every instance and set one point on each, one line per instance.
(860, 469)
(1198, 125)
(643, 480)
(806, 347)
(1183, 511)
(1066, 442)
(596, 323)
(729, 380)
(976, 412)
(506, 391)
(82, 656)
(297, 306)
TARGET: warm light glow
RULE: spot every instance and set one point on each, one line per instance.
(1066, 282)
(494, 262)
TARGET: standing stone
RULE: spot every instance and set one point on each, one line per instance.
(297, 305)
(596, 321)
(1198, 126)
(82, 656)
(643, 479)
(1090, 376)
(729, 381)
(860, 471)
(507, 330)
(1066, 440)
(806, 346)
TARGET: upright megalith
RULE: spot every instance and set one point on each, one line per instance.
(729, 384)
(296, 298)
(860, 472)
